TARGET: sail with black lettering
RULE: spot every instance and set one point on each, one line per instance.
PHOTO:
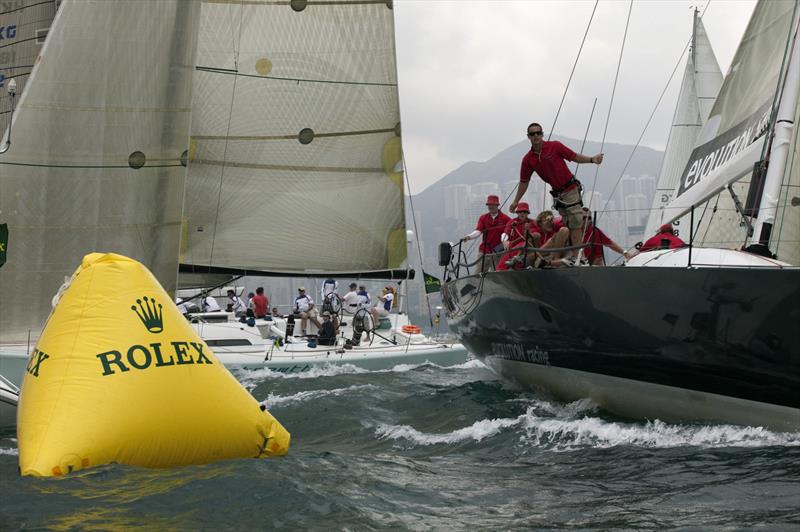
(96, 157)
(735, 137)
(295, 159)
(702, 78)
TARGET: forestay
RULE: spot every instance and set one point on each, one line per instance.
(95, 162)
(295, 152)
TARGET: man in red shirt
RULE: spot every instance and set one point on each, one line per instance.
(664, 239)
(517, 232)
(490, 227)
(260, 303)
(597, 238)
(548, 160)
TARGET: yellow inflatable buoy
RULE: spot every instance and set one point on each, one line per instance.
(119, 375)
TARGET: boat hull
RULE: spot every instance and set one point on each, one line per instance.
(369, 358)
(9, 399)
(677, 344)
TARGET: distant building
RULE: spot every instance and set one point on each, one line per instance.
(479, 191)
(647, 186)
(636, 210)
(594, 200)
(456, 198)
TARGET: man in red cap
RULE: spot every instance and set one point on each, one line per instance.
(490, 226)
(664, 239)
(548, 160)
(517, 233)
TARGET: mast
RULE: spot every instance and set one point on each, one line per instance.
(702, 79)
(781, 144)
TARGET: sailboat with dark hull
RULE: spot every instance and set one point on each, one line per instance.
(704, 333)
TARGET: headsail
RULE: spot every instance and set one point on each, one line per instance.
(733, 139)
(701, 82)
(96, 156)
(296, 153)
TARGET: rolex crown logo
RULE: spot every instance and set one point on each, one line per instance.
(150, 316)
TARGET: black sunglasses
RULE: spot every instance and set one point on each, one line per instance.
(535, 133)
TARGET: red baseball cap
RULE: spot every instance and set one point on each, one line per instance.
(666, 228)
(492, 200)
(522, 206)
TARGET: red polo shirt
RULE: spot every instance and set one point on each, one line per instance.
(515, 229)
(492, 229)
(550, 165)
(600, 239)
(654, 242)
(558, 223)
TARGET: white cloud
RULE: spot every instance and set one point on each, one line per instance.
(474, 73)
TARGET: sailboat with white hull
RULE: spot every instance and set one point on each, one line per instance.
(295, 170)
(706, 333)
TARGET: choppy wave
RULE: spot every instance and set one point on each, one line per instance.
(251, 378)
(11, 451)
(477, 432)
(299, 397)
(570, 434)
(568, 428)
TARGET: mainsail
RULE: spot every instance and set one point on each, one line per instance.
(23, 29)
(734, 138)
(701, 82)
(295, 159)
(95, 162)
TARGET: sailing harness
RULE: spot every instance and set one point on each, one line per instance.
(556, 193)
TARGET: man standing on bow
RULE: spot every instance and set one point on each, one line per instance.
(549, 160)
(489, 229)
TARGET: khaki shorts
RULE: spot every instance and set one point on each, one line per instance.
(573, 215)
(312, 313)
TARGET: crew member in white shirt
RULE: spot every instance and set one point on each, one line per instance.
(382, 306)
(351, 300)
(210, 304)
(304, 307)
(238, 306)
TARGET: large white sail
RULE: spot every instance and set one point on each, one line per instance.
(23, 29)
(295, 159)
(702, 79)
(733, 139)
(785, 241)
(95, 161)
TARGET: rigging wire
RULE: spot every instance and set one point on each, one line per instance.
(574, 65)
(586, 135)
(236, 49)
(566, 88)
(416, 238)
(652, 114)
(613, 93)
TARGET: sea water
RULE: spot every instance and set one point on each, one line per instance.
(424, 447)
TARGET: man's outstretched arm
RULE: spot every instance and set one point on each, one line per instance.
(594, 159)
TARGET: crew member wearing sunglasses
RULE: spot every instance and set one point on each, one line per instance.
(549, 160)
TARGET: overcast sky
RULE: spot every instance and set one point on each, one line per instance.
(474, 73)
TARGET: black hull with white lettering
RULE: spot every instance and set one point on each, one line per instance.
(676, 344)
